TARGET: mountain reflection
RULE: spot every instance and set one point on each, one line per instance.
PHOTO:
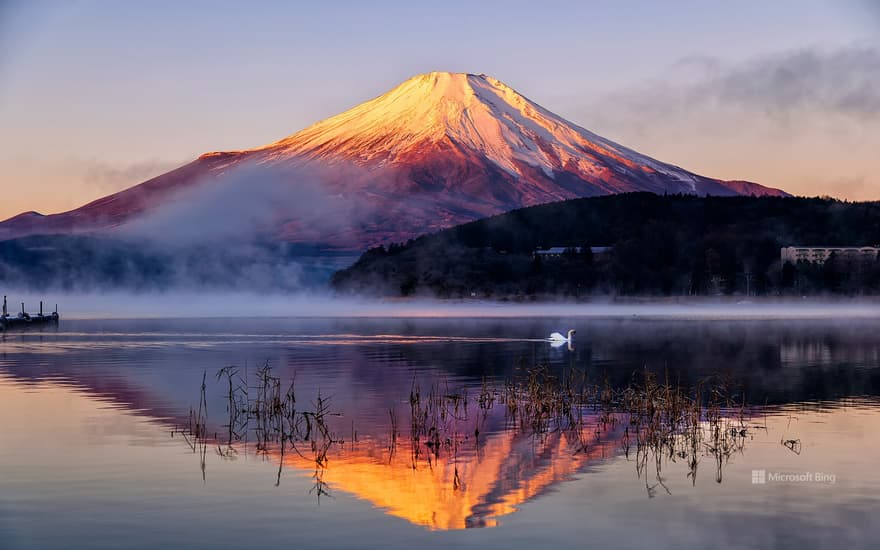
(471, 489)
(464, 457)
(450, 458)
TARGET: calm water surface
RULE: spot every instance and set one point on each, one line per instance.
(92, 454)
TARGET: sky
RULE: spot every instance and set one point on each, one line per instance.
(96, 96)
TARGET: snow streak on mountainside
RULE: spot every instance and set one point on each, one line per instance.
(437, 150)
(470, 112)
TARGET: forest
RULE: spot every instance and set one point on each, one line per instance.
(660, 245)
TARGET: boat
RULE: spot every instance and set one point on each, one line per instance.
(24, 319)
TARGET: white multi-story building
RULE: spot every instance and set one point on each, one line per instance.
(599, 252)
(820, 254)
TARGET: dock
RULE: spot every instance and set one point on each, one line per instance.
(24, 319)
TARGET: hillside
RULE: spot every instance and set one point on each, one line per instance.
(661, 245)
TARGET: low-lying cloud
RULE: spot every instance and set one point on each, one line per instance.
(253, 228)
(253, 202)
(110, 178)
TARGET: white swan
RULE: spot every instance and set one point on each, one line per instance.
(557, 339)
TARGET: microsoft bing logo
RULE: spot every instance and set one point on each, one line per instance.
(763, 477)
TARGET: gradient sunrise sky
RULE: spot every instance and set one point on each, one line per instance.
(96, 96)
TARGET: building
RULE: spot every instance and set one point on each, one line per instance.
(599, 252)
(820, 254)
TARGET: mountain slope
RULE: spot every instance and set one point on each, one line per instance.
(437, 150)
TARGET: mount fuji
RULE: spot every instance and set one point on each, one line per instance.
(437, 150)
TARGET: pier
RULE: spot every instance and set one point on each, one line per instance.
(25, 319)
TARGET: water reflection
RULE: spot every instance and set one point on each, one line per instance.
(816, 386)
(467, 488)
(456, 457)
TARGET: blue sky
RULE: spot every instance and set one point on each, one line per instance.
(96, 96)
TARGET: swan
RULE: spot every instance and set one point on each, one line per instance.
(557, 339)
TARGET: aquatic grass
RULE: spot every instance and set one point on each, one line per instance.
(656, 422)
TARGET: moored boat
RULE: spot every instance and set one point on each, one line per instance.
(24, 319)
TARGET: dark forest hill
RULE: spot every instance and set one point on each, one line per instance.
(662, 245)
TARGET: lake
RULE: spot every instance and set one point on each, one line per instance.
(108, 439)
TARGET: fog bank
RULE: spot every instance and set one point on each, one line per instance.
(176, 304)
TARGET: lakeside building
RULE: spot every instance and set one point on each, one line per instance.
(599, 252)
(820, 254)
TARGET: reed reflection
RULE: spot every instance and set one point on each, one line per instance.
(459, 457)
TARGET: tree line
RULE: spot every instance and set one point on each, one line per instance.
(660, 245)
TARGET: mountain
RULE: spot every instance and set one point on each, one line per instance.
(438, 150)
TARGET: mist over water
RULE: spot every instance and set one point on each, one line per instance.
(323, 303)
(279, 227)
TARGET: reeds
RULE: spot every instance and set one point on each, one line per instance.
(655, 422)
(270, 414)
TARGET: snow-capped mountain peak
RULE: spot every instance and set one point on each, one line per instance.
(477, 114)
(436, 150)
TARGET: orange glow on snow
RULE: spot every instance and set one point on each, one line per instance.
(508, 470)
